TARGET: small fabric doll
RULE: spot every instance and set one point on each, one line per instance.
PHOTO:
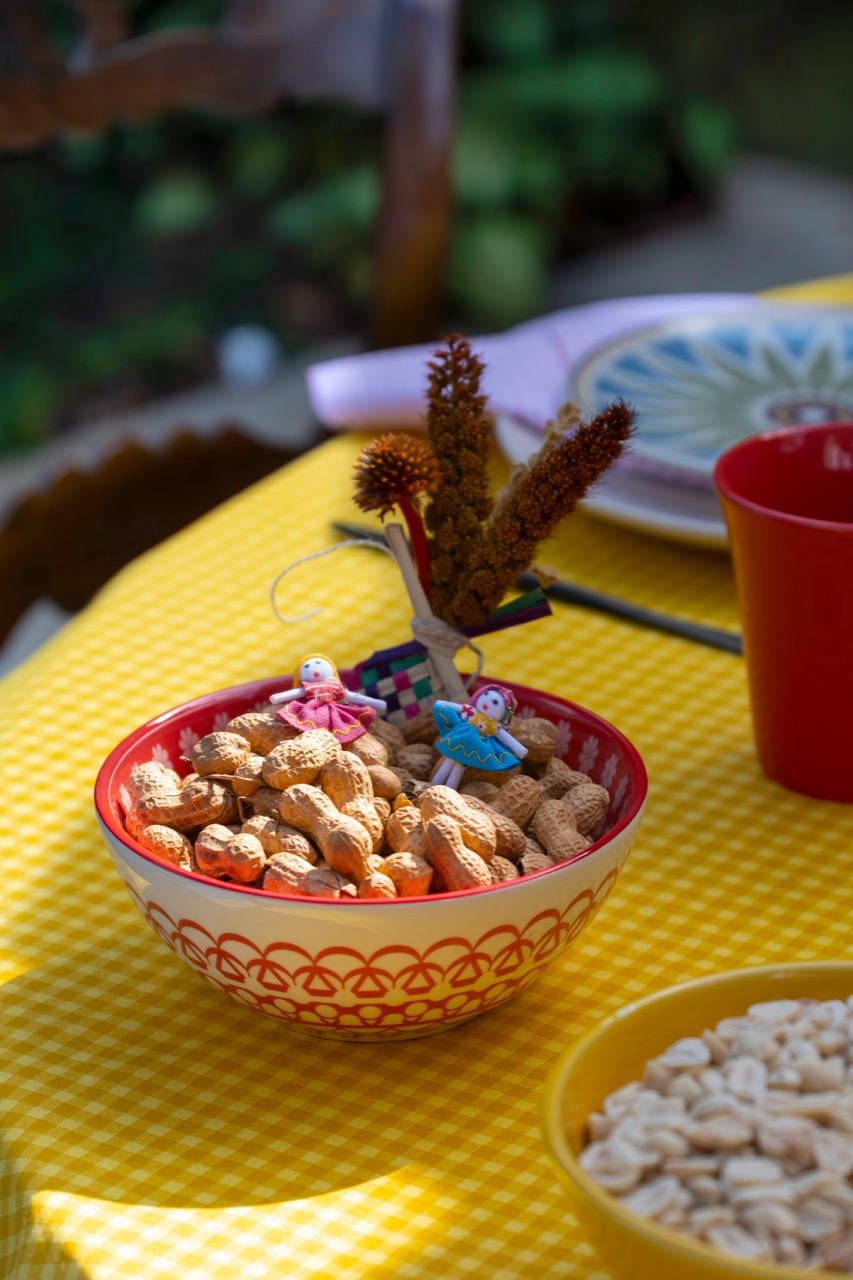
(476, 734)
(318, 700)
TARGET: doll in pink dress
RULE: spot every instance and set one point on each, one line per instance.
(320, 700)
(476, 734)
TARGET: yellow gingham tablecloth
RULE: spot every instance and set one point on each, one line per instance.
(151, 1127)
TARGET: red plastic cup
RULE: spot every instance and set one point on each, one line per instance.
(787, 496)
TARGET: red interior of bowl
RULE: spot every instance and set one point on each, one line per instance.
(586, 743)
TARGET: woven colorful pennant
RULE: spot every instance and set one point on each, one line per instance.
(404, 675)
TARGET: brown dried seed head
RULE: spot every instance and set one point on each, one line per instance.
(439, 884)
(532, 846)
(404, 778)
(344, 850)
(219, 753)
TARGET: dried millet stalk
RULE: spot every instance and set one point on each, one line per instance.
(396, 471)
(550, 489)
(460, 431)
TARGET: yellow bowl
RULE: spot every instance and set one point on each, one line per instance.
(614, 1053)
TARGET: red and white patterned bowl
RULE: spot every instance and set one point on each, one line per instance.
(366, 969)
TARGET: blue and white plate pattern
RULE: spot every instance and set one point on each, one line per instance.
(700, 384)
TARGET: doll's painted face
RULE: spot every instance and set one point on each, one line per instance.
(491, 704)
(316, 667)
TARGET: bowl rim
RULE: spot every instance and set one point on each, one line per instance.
(109, 818)
(683, 1247)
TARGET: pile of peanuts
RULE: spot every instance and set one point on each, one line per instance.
(296, 813)
(742, 1137)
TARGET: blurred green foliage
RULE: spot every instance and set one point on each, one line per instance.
(123, 257)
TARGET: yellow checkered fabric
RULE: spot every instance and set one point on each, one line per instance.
(150, 1127)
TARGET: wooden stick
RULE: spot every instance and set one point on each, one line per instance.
(450, 678)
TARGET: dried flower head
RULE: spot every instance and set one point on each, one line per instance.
(537, 499)
(478, 545)
(396, 471)
(392, 470)
(461, 432)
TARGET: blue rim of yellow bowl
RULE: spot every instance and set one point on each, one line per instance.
(684, 1248)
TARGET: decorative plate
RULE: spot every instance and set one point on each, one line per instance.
(703, 383)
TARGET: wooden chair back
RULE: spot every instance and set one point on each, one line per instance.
(394, 57)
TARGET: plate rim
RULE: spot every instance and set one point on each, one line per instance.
(674, 461)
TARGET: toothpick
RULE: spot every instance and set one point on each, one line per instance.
(450, 678)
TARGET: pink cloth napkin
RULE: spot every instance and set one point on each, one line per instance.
(526, 367)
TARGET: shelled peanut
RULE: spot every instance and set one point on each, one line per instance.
(300, 815)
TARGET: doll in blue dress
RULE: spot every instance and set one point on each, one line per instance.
(475, 734)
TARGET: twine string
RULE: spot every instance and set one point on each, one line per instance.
(436, 635)
(316, 555)
(439, 637)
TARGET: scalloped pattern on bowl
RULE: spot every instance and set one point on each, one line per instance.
(367, 969)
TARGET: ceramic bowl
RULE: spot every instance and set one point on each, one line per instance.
(367, 969)
(614, 1053)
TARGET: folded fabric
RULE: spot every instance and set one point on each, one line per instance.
(527, 368)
